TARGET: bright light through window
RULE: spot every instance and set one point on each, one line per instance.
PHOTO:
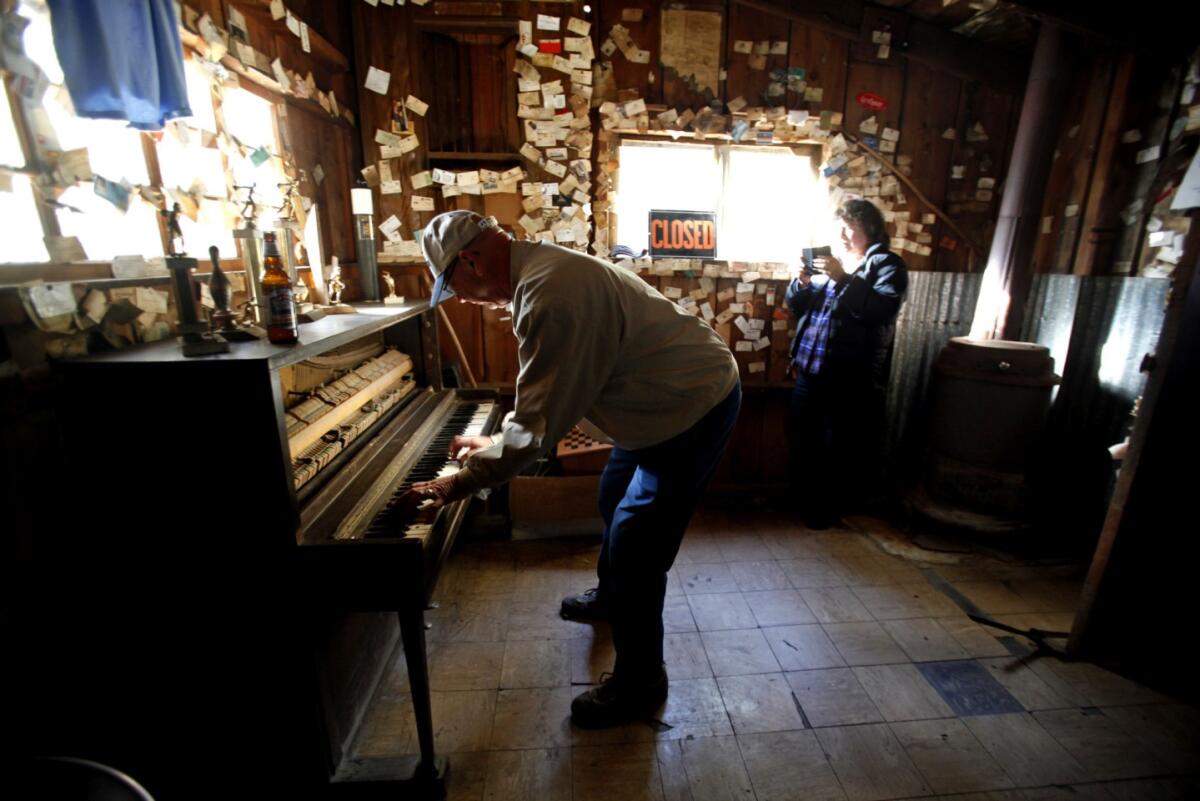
(768, 201)
(211, 227)
(10, 144)
(249, 118)
(114, 149)
(199, 91)
(39, 39)
(771, 207)
(189, 165)
(22, 240)
(662, 176)
(106, 231)
(187, 155)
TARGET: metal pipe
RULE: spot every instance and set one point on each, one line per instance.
(1008, 274)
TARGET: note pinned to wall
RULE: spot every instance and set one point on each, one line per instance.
(150, 300)
(416, 105)
(1187, 196)
(390, 228)
(377, 80)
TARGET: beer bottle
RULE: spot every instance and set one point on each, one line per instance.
(282, 328)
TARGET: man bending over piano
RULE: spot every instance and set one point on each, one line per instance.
(597, 344)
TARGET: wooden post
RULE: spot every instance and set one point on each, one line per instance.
(1098, 230)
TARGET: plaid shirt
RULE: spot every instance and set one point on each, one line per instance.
(810, 350)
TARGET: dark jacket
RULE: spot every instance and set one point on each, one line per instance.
(863, 320)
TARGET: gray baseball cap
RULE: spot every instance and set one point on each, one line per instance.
(443, 238)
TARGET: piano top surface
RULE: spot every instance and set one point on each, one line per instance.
(316, 338)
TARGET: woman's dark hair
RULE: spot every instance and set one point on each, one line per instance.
(868, 217)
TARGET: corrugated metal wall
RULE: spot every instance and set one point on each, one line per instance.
(939, 306)
(1097, 329)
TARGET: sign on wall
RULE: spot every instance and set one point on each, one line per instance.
(688, 234)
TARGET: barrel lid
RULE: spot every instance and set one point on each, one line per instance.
(998, 360)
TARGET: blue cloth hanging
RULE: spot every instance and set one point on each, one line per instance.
(122, 59)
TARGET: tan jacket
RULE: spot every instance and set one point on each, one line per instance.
(596, 342)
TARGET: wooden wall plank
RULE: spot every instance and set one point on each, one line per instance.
(1096, 86)
(645, 34)
(387, 40)
(1075, 141)
(1101, 216)
(930, 107)
(468, 323)
(743, 79)
(500, 347)
(980, 159)
(314, 141)
(825, 57)
(675, 92)
(885, 80)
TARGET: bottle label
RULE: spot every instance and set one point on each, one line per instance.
(281, 313)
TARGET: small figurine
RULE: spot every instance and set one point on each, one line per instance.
(289, 190)
(219, 286)
(174, 232)
(248, 209)
(335, 283)
(392, 297)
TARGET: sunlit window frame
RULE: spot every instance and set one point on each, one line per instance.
(47, 214)
(813, 150)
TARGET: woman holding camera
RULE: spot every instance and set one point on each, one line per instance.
(841, 356)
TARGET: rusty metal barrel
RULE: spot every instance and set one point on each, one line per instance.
(989, 403)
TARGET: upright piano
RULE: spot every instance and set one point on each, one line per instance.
(256, 564)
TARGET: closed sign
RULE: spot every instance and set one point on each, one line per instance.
(683, 233)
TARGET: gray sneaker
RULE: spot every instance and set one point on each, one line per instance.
(587, 605)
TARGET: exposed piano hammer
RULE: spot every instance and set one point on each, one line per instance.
(340, 411)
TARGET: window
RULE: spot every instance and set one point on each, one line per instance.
(22, 239)
(105, 230)
(11, 154)
(231, 138)
(768, 201)
(249, 119)
(18, 208)
(199, 91)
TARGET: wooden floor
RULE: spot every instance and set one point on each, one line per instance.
(803, 666)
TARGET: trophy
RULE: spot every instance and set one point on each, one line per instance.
(335, 288)
(195, 339)
(392, 297)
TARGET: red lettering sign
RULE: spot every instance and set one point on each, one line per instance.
(683, 233)
(872, 101)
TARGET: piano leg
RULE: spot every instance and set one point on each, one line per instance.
(431, 771)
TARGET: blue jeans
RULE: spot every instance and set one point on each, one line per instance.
(647, 498)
